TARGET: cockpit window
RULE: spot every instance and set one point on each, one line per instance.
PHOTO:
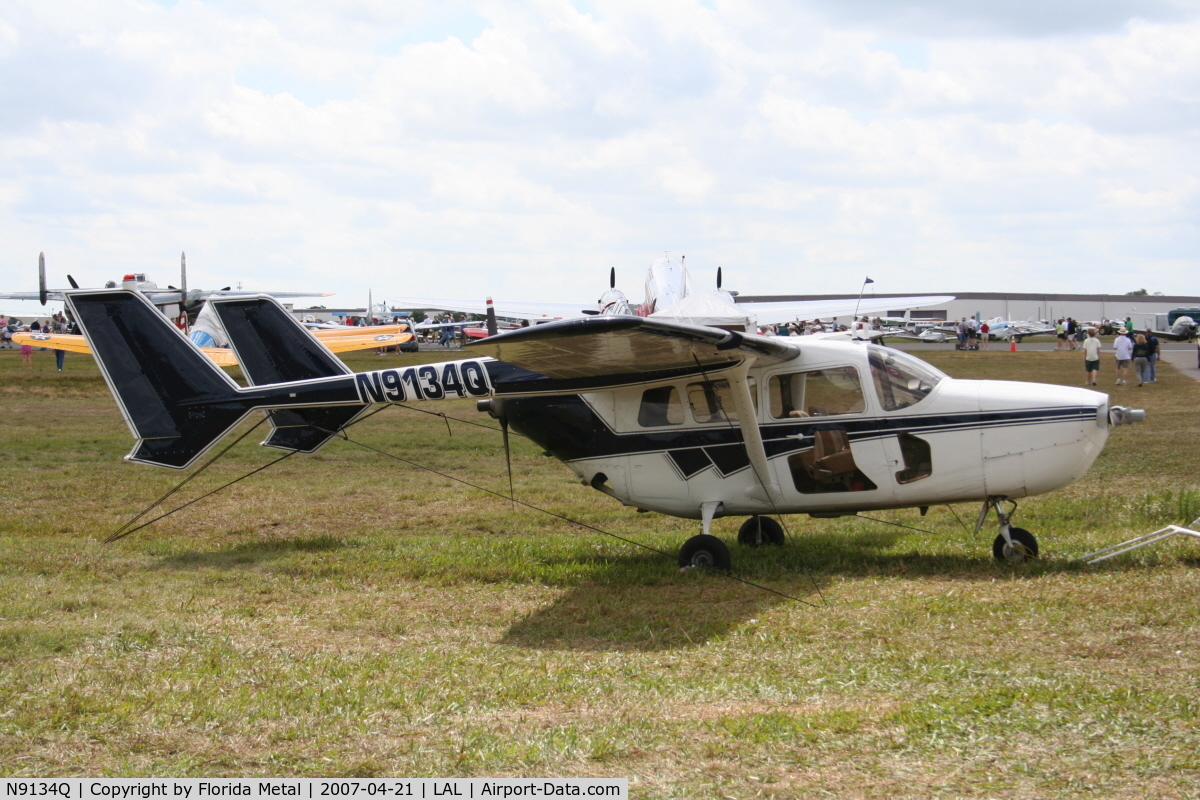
(900, 380)
(660, 406)
(816, 393)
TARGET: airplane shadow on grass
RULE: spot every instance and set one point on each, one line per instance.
(250, 553)
(641, 603)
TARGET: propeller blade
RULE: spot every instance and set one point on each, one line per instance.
(183, 298)
(42, 277)
(71, 281)
(492, 328)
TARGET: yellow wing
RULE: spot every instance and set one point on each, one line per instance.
(342, 341)
(54, 341)
(338, 341)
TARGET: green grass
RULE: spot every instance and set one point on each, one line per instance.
(345, 614)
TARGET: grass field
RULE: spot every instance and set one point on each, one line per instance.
(347, 614)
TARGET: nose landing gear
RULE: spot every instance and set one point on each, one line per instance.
(1013, 545)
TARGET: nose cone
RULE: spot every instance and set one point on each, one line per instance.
(1038, 437)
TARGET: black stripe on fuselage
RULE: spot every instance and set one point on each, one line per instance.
(571, 431)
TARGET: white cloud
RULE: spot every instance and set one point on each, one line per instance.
(524, 148)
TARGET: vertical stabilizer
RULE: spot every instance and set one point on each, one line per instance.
(174, 399)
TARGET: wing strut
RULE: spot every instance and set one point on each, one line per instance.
(767, 490)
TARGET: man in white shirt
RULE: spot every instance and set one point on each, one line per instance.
(1091, 357)
(1123, 347)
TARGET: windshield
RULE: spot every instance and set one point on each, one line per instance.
(900, 380)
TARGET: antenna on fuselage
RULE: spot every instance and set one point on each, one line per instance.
(718, 278)
(612, 277)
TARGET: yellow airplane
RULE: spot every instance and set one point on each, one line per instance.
(339, 340)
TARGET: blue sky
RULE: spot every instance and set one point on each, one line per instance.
(522, 149)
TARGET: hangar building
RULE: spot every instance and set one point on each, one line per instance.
(1143, 309)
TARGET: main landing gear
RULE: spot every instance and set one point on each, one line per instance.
(758, 531)
(1013, 545)
(706, 550)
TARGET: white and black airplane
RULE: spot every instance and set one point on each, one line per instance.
(693, 421)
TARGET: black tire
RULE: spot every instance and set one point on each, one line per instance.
(1025, 547)
(704, 551)
(759, 531)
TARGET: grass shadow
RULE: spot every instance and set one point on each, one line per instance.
(642, 603)
(250, 553)
(870, 554)
(608, 617)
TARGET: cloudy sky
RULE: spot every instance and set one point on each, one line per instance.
(522, 149)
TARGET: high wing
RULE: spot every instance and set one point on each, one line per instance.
(167, 296)
(611, 347)
(513, 309)
(336, 341)
(774, 313)
(30, 296)
(616, 350)
(164, 297)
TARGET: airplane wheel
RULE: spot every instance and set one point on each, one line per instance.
(1024, 547)
(760, 530)
(704, 551)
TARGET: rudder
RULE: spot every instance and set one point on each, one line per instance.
(273, 347)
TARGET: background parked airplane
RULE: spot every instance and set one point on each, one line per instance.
(671, 294)
(171, 300)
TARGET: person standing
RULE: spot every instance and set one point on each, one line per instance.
(1140, 358)
(984, 334)
(1155, 354)
(1091, 357)
(1060, 332)
(1123, 348)
(27, 354)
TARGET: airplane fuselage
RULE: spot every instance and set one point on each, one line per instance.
(846, 427)
(962, 441)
